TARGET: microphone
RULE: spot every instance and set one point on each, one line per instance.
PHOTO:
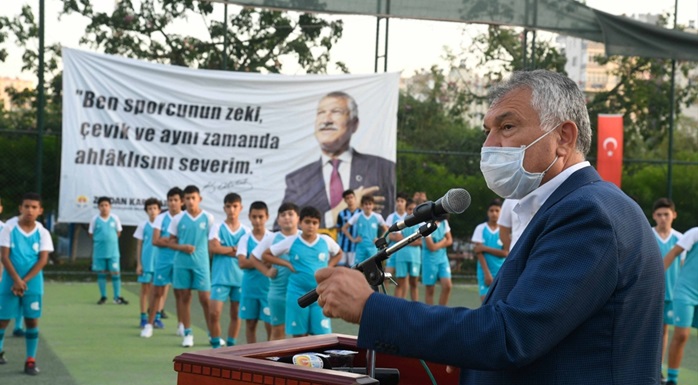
(455, 201)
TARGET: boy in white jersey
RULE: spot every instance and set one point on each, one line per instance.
(164, 263)
(24, 249)
(435, 265)
(685, 299)
(664, 213)
(145, 258)
(18, 331)
(398, 215)
(368, 224)
(226, 275)
(105, 230)
(489, 248)
(189, 237)
(255, 282)
(287, 219)
(308, 253)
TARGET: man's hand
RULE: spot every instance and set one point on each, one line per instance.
(342, 293)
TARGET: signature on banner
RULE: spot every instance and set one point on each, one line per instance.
(237, 185)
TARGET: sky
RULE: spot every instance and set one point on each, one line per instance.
(413, 44)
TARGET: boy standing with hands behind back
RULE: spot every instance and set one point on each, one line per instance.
(105, 230)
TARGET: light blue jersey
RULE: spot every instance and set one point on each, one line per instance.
(367, 227)
(672, 273)
(192, 231)
(686, 288)
(440, 255)
(279, 284)
(144, 233)
(306, 258)
(164, 256)
(254, 283)
(485, 235)
(105, 237)
(24, 254)
(409, 254)
(225, 269)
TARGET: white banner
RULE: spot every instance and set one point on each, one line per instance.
(132, 130)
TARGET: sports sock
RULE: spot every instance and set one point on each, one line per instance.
(144, 316)
(230, 341)
(157, 316)
(187, 331)
(215, 342)
(32, 341)
(672, 375)
(2, 338)
(18, 322)
(116, 284)
(102, 283)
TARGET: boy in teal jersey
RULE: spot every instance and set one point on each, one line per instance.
(255, 283)
(390, 264)
(435, 265)
(685, 300)
(145, 260)
(408, 260)
(369, 225)
(308, 253)
(488, 248)
(105, 230)
(24, 249)
(189, 237)
(17, 331)
(664, 213)
(164, 264)
(226, 275)
(287, 219)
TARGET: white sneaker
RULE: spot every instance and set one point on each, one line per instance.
(147, 331)
(188, 341)
(180, 329)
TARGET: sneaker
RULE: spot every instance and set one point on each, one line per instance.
(158, 324)
(102, 301)
(120, 301)
(2, 358)
(18, 333)
(188, 341)
(147, 331)
(163, 315)
(180, 329)
(30, 368)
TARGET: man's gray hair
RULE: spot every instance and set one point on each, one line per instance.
(353, 107)
(555, 97)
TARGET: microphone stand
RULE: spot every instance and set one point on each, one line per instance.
(374, 274)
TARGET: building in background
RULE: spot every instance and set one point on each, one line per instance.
(17, 84)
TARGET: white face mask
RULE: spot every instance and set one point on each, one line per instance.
(504, 171)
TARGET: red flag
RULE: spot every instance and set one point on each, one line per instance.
(609, 161)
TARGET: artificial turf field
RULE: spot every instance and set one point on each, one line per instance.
(82, 343)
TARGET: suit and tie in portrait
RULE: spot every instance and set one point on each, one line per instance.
(320, 183)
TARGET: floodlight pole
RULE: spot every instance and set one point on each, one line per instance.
(385, 45)
(225, 36)
(671, 117)
(40, 103)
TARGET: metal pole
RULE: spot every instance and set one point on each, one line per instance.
(40, 104)
(378, 29)
(387, 29)
(225, 36)
(671, 117)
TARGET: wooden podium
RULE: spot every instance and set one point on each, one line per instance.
(248, 365)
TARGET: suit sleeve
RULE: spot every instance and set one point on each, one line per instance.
(564, 281)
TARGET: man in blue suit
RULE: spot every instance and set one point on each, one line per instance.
(579, 300)
(321, 183)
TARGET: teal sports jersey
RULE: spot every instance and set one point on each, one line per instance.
(686, 288)
(24, 254)
(144, 232)
(306, 258)
(440, 255)
(225, 269)
(485, 235)
(411, 254)
(105, 236)
(672, 272)
(164, 256)
(254, 283)
(191, 231)
(367, 227)
(278, 284)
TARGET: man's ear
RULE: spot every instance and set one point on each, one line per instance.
(567, 142)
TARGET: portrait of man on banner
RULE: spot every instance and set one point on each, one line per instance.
(340, 167)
